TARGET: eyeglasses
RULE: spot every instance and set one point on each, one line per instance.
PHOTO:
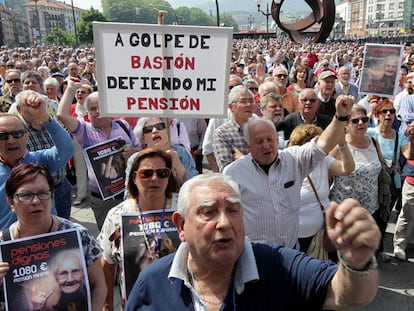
(15, 134)
(17, 80)
(281, 75)
(148, 129)
(311, 100)
(81, 92)
(253, 89)
(27, 197)
(356, 120)
(385, 111)
(10, 66)
(147, 173)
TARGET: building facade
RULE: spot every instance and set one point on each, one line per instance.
(44, 15)
(376, 17)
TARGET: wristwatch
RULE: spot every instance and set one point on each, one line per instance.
(372, 265)
(342, 118)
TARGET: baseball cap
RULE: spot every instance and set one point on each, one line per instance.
(326, 74)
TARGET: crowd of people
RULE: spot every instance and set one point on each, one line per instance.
(300, 149)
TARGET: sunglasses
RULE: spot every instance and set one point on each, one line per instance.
(17, 80)
(148, 129)
(356, 120)
(281, 76)
(311, 100)
(253, 89)
(385, 111)
(80, 92)
(147, 173)
(15, 134)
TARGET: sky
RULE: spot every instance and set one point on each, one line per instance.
(86, 4)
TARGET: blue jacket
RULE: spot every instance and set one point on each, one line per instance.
(289, 281)
(53, 158)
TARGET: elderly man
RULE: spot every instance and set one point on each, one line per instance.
(307, 114)
(215, 268)
(343, 85)
(214, 123)
(13, 147)
(14, 84)
(289, 100)
(326, 90)
(272, 109)
(270, 180)
(98, 130)
(228, 139)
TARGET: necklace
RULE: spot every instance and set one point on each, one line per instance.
(191, 279)
(48, 231)
(153, 251)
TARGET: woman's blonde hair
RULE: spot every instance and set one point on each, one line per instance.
(304, 133)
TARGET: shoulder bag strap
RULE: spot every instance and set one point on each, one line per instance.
(374, 141)
(316, 193)
(121, 124)
(394, 158)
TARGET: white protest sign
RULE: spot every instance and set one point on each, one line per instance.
(162, 70)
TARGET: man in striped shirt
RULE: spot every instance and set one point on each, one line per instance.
(270, 179)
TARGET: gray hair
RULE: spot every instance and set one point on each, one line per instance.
(91, 97)
(267, 97)
(138, 129)
(33, 74)
(200, 181)
(267, 85)
(26, 93)
(236, 92)
(51, 82)
(254, 121)
(359, 108)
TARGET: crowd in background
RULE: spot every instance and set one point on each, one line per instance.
(290, 92)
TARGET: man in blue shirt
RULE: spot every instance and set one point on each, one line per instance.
(13, 148)
(215, 268)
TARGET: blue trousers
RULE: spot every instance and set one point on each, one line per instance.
(63, 198)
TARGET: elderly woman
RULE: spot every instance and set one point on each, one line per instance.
(311, 218)
(393, 145)
(150, 186)
(362, 183)
(152, 132)
(29, 193)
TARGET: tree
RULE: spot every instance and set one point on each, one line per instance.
(58, 36)
(228, 21)
(84, 26)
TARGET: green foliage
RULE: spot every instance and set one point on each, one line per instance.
(84, 25)
(228, 21)
(58, 36)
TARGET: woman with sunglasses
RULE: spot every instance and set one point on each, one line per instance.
(152, 132)
(393, 146)
(29, 191)
(362, 183)
(150, 187)
(78, 110)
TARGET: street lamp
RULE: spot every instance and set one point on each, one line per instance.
(267, 14)
(250, 20)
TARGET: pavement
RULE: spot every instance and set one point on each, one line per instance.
(396, 290)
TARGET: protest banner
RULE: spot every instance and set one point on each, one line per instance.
(154, 231)
(380, 70)
(39, 270)
(108, 165)
(162, 70)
